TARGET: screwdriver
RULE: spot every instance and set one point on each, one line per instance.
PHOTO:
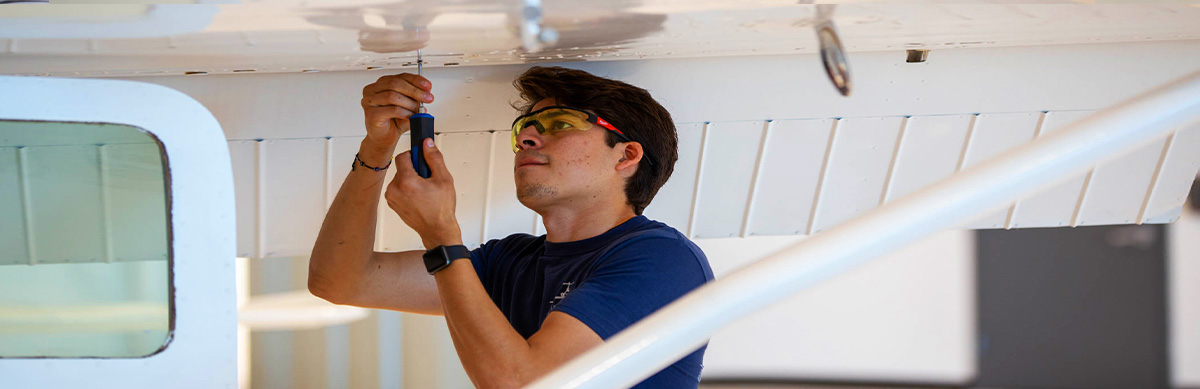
(420, 127)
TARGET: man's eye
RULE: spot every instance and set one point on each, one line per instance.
(560, 125)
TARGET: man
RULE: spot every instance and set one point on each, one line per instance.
(590, 155)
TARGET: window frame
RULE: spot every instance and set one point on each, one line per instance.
(201, 348)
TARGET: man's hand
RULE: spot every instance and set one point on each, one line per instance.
(389, 102)
(425, 204)
(343, 267)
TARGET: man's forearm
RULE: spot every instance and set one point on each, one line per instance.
(491, 351)
(347, 238)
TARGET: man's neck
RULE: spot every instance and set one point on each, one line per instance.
(569, 225)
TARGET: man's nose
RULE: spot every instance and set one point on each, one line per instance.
(529, 138)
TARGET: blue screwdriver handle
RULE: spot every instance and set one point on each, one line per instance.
(420, 127)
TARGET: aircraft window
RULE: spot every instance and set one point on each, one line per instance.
(84, 241)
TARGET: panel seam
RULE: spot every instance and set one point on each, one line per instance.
(27, 204)
(1150, 191)
(754, 178)
(1010, 221)
(891, 173)
(691, 229)
(816, 206)
(105, 202)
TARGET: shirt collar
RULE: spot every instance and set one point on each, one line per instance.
(596, 242)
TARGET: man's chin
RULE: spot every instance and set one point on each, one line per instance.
(532, 194)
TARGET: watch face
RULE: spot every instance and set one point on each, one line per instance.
(441, 256)
(435, 259)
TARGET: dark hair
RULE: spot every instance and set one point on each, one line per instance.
(627, 107)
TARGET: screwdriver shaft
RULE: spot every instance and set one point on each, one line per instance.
(420, 61)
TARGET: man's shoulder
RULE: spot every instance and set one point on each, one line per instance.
(657, 235)
(661, 244)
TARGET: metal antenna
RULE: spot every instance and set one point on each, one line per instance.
(833, 55)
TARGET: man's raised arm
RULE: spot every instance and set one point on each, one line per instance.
(344, 268)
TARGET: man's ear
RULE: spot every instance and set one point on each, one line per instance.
(633, 153)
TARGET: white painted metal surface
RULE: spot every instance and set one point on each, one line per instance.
(326, 35)
(293, 178)
(1120, 181)
(929, 149)
(469, 157)
(476, 107)
(856, 173)
(680, 188)
(1046, 206)
(391, 234)
(1180, 160)
(726, 175)
(675, 330)
(471, 99)
(201, 351)
(792, 161)
(746, 186)
(245, 182)
(85, 23)
(993, 135)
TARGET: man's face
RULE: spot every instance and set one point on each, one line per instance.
(557, 169)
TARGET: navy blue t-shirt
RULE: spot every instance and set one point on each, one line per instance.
(608, 282)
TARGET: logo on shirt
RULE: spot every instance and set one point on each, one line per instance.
(563, 294)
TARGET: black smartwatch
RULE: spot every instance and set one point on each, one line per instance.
(439, 257)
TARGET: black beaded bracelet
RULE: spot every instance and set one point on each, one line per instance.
(358, 161)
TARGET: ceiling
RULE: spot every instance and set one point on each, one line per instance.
(327, 35)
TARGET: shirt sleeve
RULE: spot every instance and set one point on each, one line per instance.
(482, 261)
(488, 256)
(634, 281)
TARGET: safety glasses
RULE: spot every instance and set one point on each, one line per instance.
(557, 118)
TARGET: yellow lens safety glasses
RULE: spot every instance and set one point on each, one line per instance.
(558, 118)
